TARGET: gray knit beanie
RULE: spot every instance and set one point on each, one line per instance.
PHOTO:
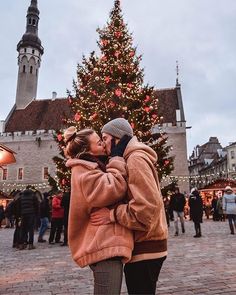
(118, 128)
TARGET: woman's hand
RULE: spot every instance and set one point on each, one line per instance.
(100, 217)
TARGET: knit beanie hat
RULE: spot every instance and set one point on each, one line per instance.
(118, 128)
(69, 133)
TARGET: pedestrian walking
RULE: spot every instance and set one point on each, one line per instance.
(94, 185)
(57, 219)
(220, 206)
(229, 207)
(196, 211)
(65, 203)
(29, 210)
(44, 214)
(144, 211)
(177, 203)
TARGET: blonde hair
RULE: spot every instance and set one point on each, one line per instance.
(77, 143)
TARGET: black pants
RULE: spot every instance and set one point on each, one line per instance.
(197, 227)
(65, 223)
(141, 277)
(56, 228)
(27, 229)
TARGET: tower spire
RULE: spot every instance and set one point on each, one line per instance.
(29, 58)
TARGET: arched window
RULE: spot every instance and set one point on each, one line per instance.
(32, 51)
(34, 22)
(24, 69)
(25, 49)
(31, 70)
(30, 21)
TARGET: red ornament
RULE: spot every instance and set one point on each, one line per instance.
(103, 58)
(94, 92)
(104, 42)
(154, 116)
(118, 92)
(94, 116)
(131, 54)
(77, 117)
(117, 53)
(147, 98)
(166, 162)
(107, 79)
(63, 181)
(129, 85)
(118, 34)
(59, 137)
(147, 109)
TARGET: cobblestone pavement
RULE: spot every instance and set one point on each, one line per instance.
(194, 266)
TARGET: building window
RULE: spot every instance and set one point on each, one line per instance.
(234, 167)
(25, 50)
(45, 172)
(232, 154)
(20, 173)
(30, 21)
(31, 70)
(23, 69)
(4, 174)
(32, 51)
(34, 22)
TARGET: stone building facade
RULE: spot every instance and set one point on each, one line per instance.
(31, 124)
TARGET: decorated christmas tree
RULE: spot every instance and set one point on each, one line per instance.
(111, 85)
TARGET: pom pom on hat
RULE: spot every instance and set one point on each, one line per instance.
(69, 133)
(118, 128)
(228, 188)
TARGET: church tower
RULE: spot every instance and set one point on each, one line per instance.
(29, 59)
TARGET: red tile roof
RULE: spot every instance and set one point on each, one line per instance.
(43, 114)
(47, 114)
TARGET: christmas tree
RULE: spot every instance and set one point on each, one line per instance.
(111, 85)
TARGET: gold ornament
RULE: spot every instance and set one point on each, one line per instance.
(96, 78)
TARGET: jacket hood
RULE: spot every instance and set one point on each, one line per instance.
(135, 145)
(75, 162)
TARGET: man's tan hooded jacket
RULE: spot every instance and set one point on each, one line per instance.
(144, 213)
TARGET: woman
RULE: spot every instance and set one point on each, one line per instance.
(196, 211)
(229, 207)
(93, 185)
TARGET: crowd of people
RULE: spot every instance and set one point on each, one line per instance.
(27, 213)
(114, 217)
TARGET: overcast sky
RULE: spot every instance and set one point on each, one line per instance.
(200, 34)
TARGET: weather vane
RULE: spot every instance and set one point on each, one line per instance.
(177, 72)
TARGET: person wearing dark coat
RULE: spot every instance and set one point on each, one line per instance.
(65, 203)
(196, 211)
(177, 203)
(44, 214)
(29, 208)
(2, 215)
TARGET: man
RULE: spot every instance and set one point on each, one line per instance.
(177, 204)
(143, 212)
(57, 219)
(29, 209)
(65, 203)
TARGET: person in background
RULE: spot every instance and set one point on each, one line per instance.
(57, 219)
(220, 206)
(196, 211)
(29, 210)
(65, 203)
(166, 201)
(215, 213)
(2, 215)
(44, 213)
(177, 203)
(229, 207)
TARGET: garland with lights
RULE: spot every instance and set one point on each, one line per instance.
(109, 86)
